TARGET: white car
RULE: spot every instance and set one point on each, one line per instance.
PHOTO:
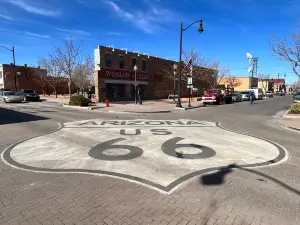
(10, 96)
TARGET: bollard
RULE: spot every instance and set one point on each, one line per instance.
(107, 103)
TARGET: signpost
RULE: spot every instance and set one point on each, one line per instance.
(190, 86)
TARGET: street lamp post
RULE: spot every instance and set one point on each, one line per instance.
(174, 72)
(14, 63)
(182, 29)
(135, 69)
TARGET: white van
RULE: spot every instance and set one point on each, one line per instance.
(258, 93)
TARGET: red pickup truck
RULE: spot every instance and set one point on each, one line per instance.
(213, 96)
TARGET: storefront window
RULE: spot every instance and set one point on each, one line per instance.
(108, 60)
(133, 63)
(121, 57)
(144, 65)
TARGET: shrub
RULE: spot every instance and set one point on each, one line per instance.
(295, 108)
(79, 100)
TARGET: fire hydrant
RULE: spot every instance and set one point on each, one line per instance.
(107, 103)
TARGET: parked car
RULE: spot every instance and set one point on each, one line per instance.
(28, 95)
(213, 96)
(237, 97)
(269, 94)
(296, 97)
(246, 95)
(10, 96)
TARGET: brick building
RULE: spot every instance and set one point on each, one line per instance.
(115, 76)
(25, 77)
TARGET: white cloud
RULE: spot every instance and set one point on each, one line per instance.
(35, 35)
(5, 17)
(34, 9)
(148, 21)
(114, 33)
(75, 32)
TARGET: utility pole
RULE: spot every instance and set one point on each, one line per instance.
(254, 70)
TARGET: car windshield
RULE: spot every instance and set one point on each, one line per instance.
(245, 92)
(212, 91)
(28, 91)
(9, 93)
(298, 93)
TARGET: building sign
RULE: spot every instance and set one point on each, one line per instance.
(128, 75)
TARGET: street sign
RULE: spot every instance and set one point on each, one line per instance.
(190, 86)
(190, 80)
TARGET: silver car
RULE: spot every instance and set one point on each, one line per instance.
(246, 95)
(9, 96)
(237, 97)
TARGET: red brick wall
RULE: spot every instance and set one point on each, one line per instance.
(28, 79)
(157, 66)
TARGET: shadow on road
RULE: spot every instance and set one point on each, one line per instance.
(8, 116)
(218, 178)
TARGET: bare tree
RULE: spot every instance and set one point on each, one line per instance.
(288, 52)
(40, 77)
(84, 73)
(233, 81)
(221, 73)
(53, 74)
(67, 59)
(264, 81)
(296, 85)
(201, 66)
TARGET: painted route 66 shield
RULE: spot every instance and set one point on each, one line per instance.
(159, 154)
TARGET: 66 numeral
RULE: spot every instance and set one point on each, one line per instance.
(168, 147)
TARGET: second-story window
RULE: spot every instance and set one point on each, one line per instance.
(122, 63)
(144, 65)
(108, 60)
(133, 63)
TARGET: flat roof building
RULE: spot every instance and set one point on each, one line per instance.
(115, 76)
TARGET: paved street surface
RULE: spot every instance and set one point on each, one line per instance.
(227, 164)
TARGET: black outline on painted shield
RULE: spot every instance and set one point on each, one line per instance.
(9, 160)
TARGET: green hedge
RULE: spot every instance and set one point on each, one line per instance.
(295, 109)
(79, 100)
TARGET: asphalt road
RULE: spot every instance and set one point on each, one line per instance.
(267, 195)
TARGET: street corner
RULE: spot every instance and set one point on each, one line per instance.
(160, 154)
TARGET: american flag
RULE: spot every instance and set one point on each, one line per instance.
(189, 66)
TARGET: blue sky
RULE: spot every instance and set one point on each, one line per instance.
(232, 28)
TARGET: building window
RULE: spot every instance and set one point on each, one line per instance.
(1, 74)
(144, 65)
(108, 60)
(133, 63)
(122, 64)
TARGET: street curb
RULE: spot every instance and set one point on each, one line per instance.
(136, 112)
(288, 127)
(286, 115)
(188, 108)
(155, 112)
(83, 108)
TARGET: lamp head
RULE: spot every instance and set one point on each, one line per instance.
(135, 68)
(201, 27)
(175, 66)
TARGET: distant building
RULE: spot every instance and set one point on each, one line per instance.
(273, 85)
(115, 76)
(25, 77)
(241, 83)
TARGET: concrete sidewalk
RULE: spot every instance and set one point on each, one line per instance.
(291, 121)
(147, 107)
